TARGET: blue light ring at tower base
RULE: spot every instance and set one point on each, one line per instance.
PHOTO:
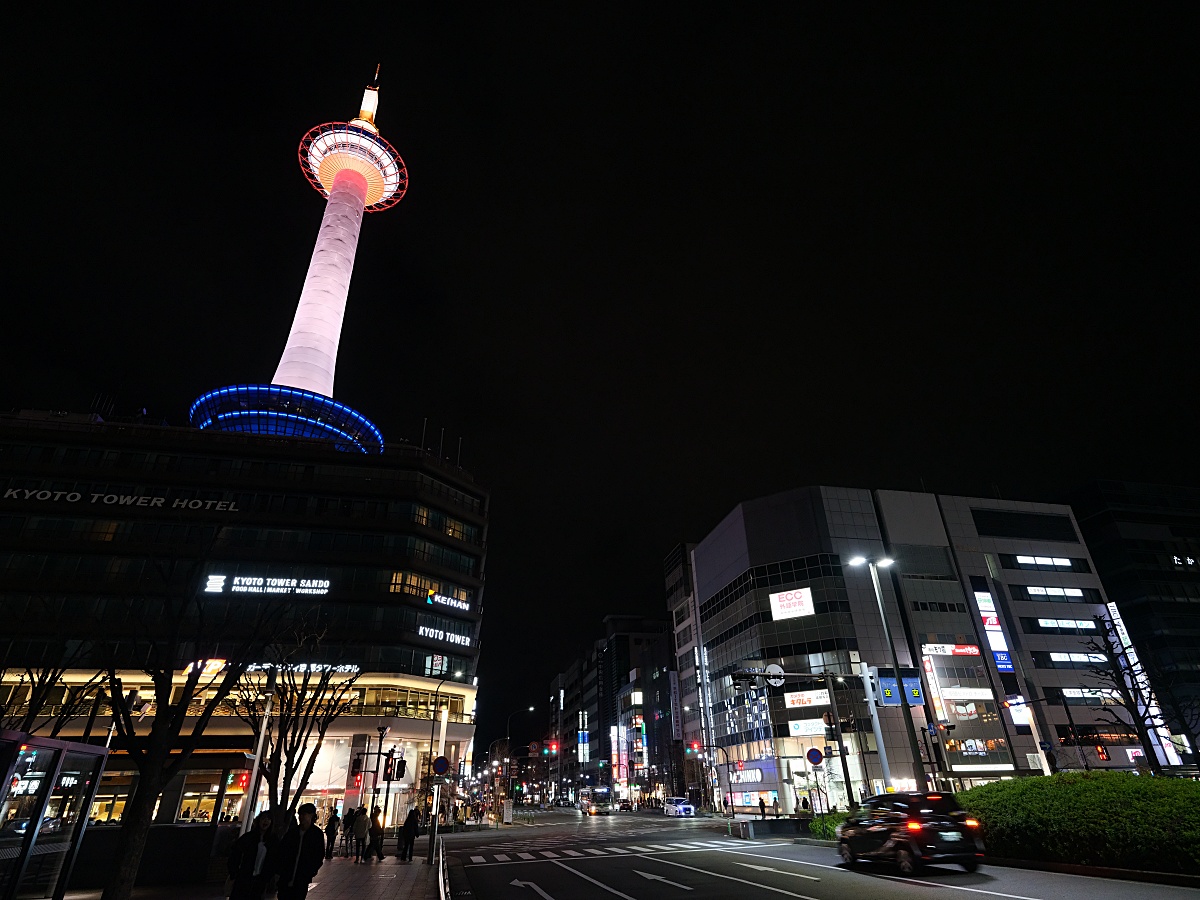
(285, 412)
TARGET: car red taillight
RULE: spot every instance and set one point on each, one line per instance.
(972, 823)
(913, 826)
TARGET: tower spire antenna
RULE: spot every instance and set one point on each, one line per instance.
(376, 79)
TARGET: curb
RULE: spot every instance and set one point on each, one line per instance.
(1176, 879)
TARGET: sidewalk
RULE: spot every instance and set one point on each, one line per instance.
(339, 879)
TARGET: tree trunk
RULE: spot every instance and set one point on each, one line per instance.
(135, 827)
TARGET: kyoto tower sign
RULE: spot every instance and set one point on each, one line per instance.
(356, 170)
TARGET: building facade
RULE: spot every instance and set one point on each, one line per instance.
(987, 601)
(1145, 540)
(385, 551)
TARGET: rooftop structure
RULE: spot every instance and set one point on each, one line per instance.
(356, 170)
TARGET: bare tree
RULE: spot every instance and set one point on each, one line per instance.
(39, 696)
(172, 630)
(1123, 678)
(306, 699)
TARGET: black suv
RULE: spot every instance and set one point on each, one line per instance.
(911, 829)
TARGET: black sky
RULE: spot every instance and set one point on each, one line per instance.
(650, 263)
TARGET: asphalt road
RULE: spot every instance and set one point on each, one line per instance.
(643, 856)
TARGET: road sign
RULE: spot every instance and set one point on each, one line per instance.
(815, 756)
(441, 765)
(1045, 745)
(534, 747)
(774, 675)
(931, 728)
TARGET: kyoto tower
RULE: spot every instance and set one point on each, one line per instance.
(356, 170)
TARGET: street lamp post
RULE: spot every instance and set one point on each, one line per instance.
(875, 564)
(434, 793)
(508, 748)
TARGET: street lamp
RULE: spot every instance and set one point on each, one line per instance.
(508, 746)
(433, 721)
(875, 564)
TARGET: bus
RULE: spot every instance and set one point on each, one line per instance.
(595, 801)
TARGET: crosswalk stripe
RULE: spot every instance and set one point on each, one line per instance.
(617, 850)
(550, 854)
(500, 857)
(526, 856)
(594, 852)
(572, 853)
(659, 847)
(639, 849)
(477, 859)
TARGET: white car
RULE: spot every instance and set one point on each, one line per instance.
(678, 806)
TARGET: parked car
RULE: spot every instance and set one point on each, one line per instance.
(20, 826)
(911, 829)
(678, 806)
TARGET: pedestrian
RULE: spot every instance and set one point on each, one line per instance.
(247, 862)
(775, 804)
(348, 832)
(299, 855)
(332, 827)
(362, 827)
(804, 803)
(408, 835)
(762, 808)
(376, 833)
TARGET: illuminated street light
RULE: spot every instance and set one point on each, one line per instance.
(875, 564)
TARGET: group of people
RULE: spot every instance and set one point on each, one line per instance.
(258, 860)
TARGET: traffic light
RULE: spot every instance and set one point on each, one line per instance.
(692, 747)
(358, 780)
(1102, 752)
(546, 750)
(389, 769)
(401, 765)
(831, 731)
(554, 748)
(356, 766)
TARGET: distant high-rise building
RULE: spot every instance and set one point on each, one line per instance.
(1145, 539)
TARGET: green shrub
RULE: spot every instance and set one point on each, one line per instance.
(1092, 818)
(822, 826)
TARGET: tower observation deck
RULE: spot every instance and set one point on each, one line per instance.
(357, 171)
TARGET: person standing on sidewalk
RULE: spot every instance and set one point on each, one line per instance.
(299, 855)
(775, 806)
(362, 827)
(408, 835)
(762, 808)
(376, 833)
(331, 833)
(248, 857)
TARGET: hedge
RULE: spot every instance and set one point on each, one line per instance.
(1092, 818)
(822, 825)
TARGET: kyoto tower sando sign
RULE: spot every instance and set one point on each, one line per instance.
(357, 171)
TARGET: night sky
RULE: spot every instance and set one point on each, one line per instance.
(650, 263)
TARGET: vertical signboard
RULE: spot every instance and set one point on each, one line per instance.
(676, 707)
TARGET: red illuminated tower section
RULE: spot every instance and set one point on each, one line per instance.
(357, 171)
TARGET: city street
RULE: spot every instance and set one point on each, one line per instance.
(644, 856)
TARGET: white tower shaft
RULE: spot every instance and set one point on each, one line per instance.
(310, 355)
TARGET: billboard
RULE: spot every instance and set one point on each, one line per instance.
(806, 727)
(792, 604)
(801, 699)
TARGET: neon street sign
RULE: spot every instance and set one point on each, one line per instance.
(242, 584)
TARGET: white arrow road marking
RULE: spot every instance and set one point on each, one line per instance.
(663, 880)
(955, 887)
(777, 871)
(595, 882)
(529, 884)
(765, 887)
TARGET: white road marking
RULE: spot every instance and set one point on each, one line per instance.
(765, 887)
(595, 852)
(550, 854)
(500, 857)
(477, 859)
(595, 882)
(617, 850)
(639, 849)
(659, 847)
(777, 871)
(526, 856)
(572, 853)
(530, 884)
(663, 880)
(954, 887)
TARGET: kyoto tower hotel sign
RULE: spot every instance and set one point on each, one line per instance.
(356, 170)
